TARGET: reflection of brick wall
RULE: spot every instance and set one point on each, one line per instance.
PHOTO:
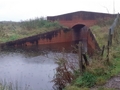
(81, 17)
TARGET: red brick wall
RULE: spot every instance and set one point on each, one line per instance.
(80, 17)
(60, 38)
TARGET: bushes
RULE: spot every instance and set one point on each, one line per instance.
(86, 80)
(17, 30)
(39, 23)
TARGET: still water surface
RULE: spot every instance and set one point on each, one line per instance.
(29, 69)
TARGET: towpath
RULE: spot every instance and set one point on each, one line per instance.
(114, 82)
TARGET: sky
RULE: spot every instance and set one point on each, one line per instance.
(19, 10)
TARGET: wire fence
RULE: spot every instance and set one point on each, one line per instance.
(112, 34)
(112, 30)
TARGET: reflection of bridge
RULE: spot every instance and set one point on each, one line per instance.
(78, 30)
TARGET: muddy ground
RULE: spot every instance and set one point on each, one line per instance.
(113, 82)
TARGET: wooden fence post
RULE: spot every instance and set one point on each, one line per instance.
(85, 59)
(110, 37)
(103, 48)
(108, 47)
(80, 57)
(109, 43)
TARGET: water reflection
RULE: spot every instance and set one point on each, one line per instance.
(31, 68)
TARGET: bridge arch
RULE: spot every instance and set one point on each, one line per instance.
(77, 27)
(78, 32)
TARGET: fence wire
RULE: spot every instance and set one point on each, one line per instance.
(112, 29)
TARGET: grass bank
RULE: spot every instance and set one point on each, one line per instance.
(95, 75)
(15, 30)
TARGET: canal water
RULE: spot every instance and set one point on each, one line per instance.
(28, 69)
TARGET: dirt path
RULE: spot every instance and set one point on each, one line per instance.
(114, 82)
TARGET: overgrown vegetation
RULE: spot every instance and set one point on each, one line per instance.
(100, 69)
(101, 34)
(66, 68)
(15, 30)
(101, 30)
(96, 74)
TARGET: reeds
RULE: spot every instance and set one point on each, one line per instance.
(65, 70)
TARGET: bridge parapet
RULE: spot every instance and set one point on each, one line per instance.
(87, 18)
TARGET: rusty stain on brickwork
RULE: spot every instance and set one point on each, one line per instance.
(77, 30)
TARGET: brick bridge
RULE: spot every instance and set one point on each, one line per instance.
(81, 17)
(77, 23)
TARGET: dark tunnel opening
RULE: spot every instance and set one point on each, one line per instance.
(78, 27)
(77, 32)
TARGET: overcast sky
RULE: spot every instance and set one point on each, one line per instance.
(17, 10)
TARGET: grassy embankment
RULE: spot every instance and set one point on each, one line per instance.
(100, 70)
(15, 30)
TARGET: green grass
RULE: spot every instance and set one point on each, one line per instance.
(75, 88)
(98, 72)
(84, 88)
(101, 34)
(16, 30)
(86, 80)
